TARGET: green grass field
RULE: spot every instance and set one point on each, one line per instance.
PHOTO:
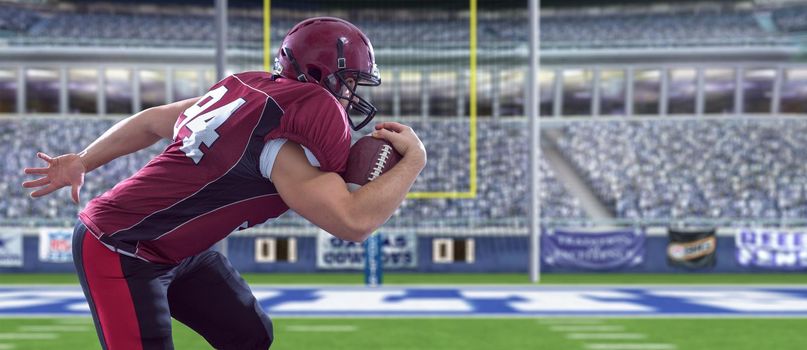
(457, 333)
(460, 334)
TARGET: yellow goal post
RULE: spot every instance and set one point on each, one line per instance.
(472, 186)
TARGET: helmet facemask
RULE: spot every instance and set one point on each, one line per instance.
(344, 83)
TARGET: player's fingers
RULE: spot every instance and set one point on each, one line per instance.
(36, 171)
(36, 183)
(74, 193)
(378, 133)
(387, 134)
(43, 191)
(45, 157)
(397, 127)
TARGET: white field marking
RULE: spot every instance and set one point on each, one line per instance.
(621, 336)
(14, 304)
(55, 328)
(569, 321)
(81, 306)
(565, 301)
(27, 336)
(322, 328)
(741, 300)
(631, 346)
(265, 294)
(371, 300)
(7, 346)
(587, 328)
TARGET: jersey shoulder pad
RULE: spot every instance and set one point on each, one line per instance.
(316, 120)
(252, 77)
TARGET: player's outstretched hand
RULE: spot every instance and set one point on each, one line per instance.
(402, 137)
(64, 170)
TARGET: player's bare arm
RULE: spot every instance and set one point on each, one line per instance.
(323, 198)
(129, 135)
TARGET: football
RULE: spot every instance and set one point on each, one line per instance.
(368, 159)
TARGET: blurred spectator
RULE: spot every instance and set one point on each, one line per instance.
(502, 187)
(751, 169)
(639, 27)
(703, 169)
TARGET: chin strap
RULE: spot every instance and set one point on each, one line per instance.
(340, 54)
(300, 74)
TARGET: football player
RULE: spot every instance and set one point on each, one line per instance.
(254, 146)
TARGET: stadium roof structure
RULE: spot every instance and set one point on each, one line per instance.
(342, 4)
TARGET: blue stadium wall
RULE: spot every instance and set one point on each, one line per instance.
(493, 254)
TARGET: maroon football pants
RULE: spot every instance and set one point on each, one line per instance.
(132, 300)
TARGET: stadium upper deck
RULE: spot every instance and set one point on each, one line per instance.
(707, 25)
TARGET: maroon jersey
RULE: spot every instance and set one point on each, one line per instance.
(207, 183)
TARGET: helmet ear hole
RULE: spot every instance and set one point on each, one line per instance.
(315, 73)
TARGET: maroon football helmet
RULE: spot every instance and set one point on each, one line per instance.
(328, 51)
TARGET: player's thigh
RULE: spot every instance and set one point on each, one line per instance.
(127, 296)
(211, 298)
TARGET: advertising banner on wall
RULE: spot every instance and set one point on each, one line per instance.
(398, 251)
(56, 244)
(595, 250)
(11, 248)
(777, 249)
(692, 248)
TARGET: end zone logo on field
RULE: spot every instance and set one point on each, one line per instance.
(484, 301)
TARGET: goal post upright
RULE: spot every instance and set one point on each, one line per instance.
(221, 38)
(533, 113)
(472, 128)
(471, 193)
(267, 35)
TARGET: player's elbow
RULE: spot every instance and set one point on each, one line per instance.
(351, 222)
(348, 230)
(357, 230)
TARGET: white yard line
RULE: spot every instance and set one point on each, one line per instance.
(569, 321)
(600, 336)
(28, 336)
(586, 328)
(575, 329)
(631, 346)
(322, 328)
(55, 328)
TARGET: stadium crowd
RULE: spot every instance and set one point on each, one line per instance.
(22, 138)
(702, 169)
(503, 191)
(637, 27)
(638, 169)
(792, 19)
